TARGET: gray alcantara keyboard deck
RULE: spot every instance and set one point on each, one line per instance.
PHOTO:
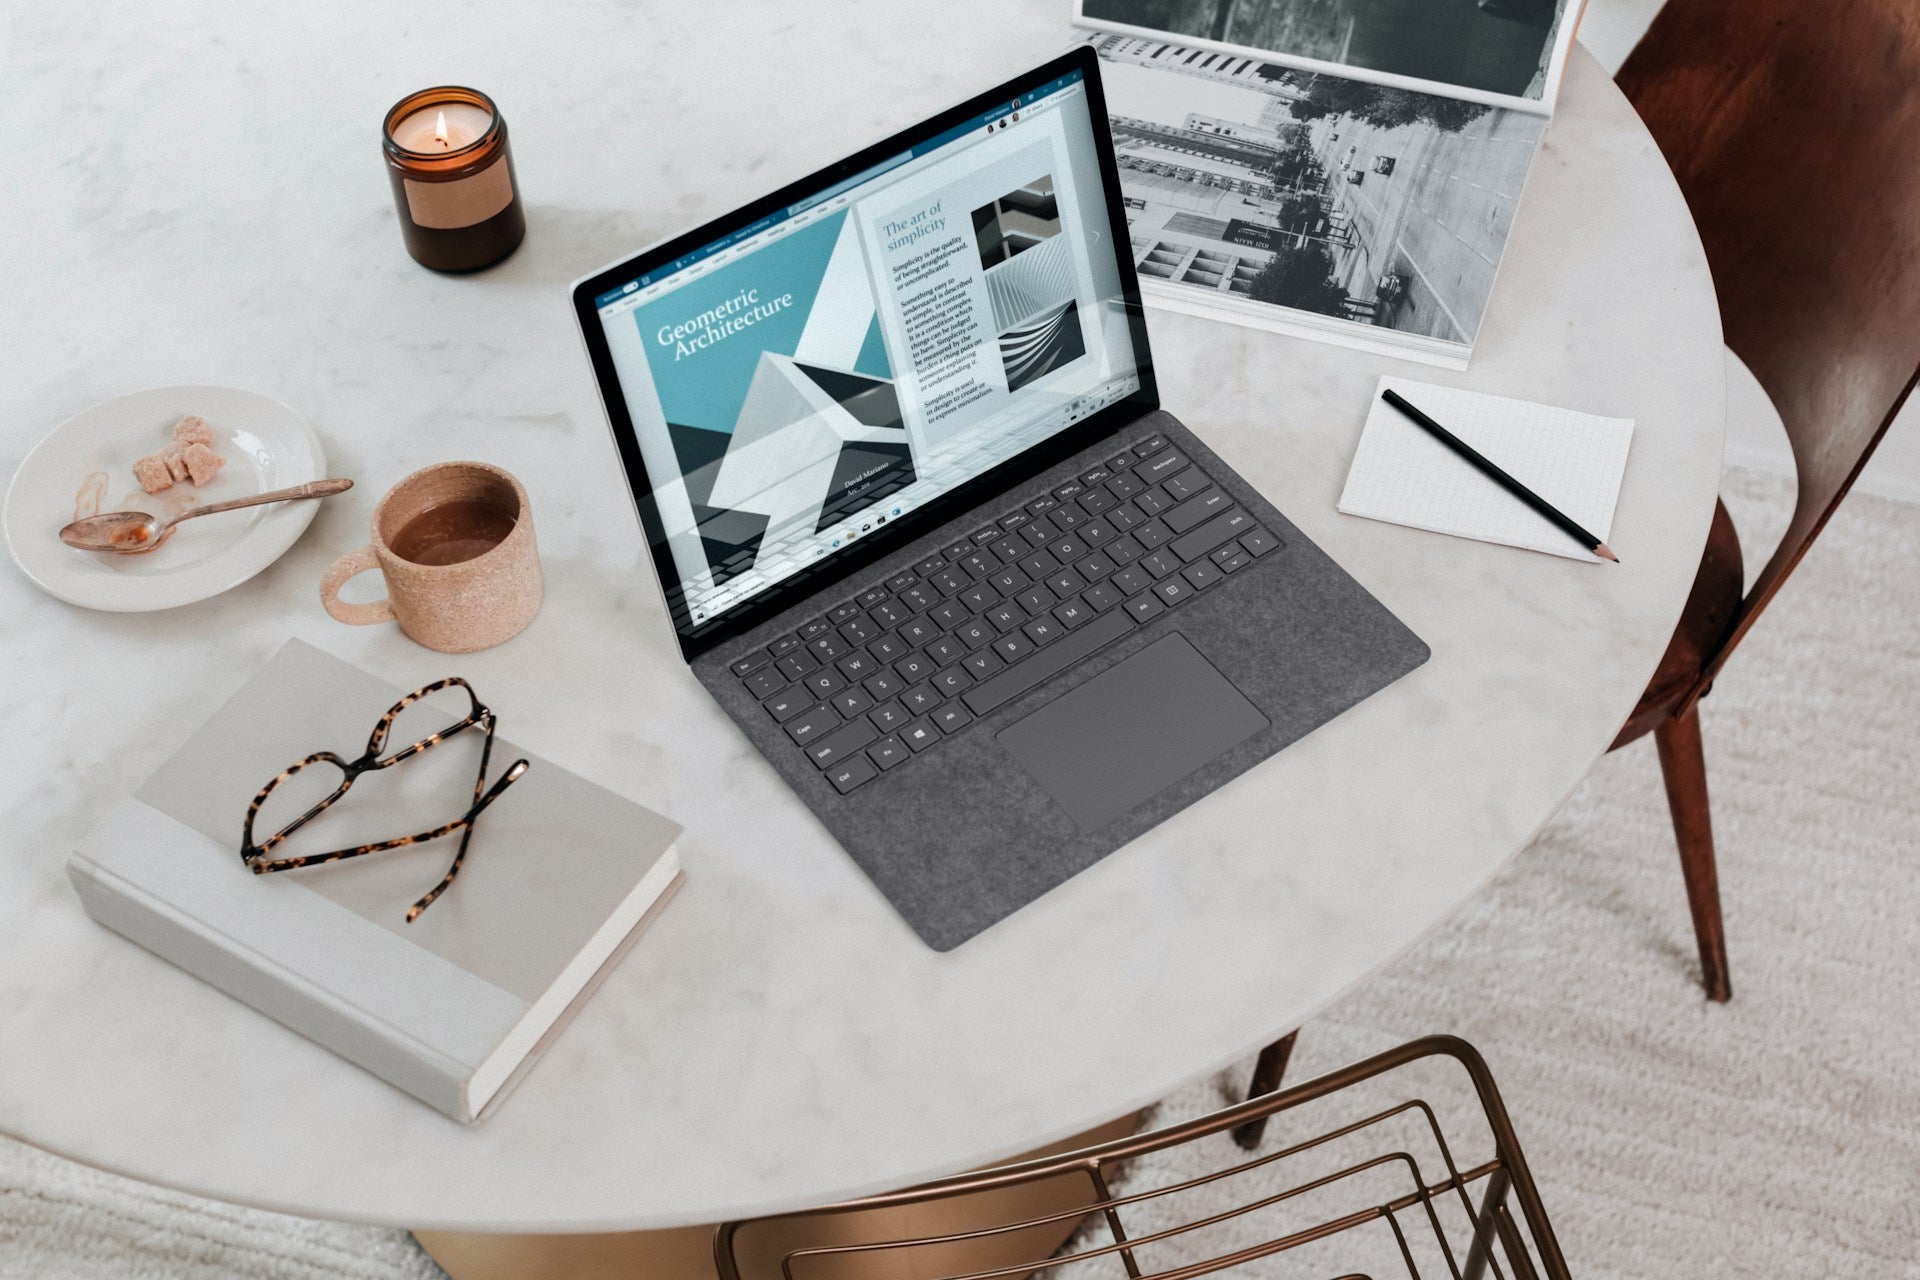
(900, 666)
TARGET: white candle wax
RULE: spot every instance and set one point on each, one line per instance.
(421, 131)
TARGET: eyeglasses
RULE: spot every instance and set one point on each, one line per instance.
(255, 856)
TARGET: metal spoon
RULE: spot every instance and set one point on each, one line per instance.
(131, 532)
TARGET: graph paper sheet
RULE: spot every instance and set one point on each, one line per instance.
(1403, 475)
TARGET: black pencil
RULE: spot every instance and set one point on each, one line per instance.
(1500, 477)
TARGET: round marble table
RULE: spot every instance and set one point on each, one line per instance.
(209, 206)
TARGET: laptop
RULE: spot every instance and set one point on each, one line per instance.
(924, 530)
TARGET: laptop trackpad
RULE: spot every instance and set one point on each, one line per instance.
(1132, 731)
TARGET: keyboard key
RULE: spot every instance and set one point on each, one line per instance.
(888, 716)
(1097, 533)
(1152, 502)
(1097, 501)
(1098, 476)
(946, 650)
(901, 581)
(1066, 583)
(951, 614)
(844, 612)
(851, 702)
(1123, 518)
(817, 723)
(951, 580)
(1173, 590)
(1006, 614)
(889, 649)
(766, 682)
(1010, 549)
(1220, 529)
(981, 537)
(1119, 462)
(1075, 612)
(1158, 468)
(1144, 607)
(1071, 489)
(859, 631)
(1202, 575)
(977, 633)
(919, 700)
(847, 776)
(887, 752)
(1043, 630)
(953, 680)
(1259, 541)
(1039, 565)
(825, 682)
(1233, 559)
(1122, 550)
(751, 663)
(920, 597)
(952, 718)
(1037, 534)
(1095, 567)
(1041, 505)
(1152, 534)
(979, 597)
(982, 663)
(1125, 486)
(981, 563)
(785, 644)
(844, 741)
(1197, 511)
(1013, 646)
(1133, 581)
(920, 735)
(808, 630)
(1152, 444)
(1066, 550)
(919, 632)
(1047, 663)
(1008, 581)
(914, 669)
(928, 565)
(1015, 520)
(1103, 597)
(883, 686)
(1186, 484)
(1158, 563)
(957, 550)
(1065, 518)
(1036, 598)
(857, 666)
(795, 664)
(888, 614)
(789, 702)
(871, 597)
(827, 647)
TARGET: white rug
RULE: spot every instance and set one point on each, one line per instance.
(1777, 1136)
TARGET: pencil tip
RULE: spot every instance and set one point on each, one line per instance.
(1605, 552)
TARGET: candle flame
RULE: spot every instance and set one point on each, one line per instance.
(440, 128)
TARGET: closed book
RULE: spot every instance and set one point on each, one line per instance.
(560, 877)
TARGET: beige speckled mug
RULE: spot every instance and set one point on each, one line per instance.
(455, 543)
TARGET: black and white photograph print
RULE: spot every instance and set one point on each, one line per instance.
(1497, 46)
(1250, 183)
(1024, 217)
(1049, 341)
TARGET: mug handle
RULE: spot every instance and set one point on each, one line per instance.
(347, 566)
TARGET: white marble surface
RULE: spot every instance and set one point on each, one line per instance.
(197, 196)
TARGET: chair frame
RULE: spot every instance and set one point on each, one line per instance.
(1496, 1231)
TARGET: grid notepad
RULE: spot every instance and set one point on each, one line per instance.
(1402, 475)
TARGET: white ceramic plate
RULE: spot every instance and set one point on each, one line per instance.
(266, 445)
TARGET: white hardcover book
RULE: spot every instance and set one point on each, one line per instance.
(559, 879)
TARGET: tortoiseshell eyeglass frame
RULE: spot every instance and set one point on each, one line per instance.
(255, 855)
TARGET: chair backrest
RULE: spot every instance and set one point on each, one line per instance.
(1385, 1183)
(1794, 130)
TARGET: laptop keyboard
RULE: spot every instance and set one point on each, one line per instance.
(905, 664)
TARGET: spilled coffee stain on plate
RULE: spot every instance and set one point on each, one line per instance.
(92, 492)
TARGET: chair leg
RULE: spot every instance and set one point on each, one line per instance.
(1685, 767)
(1266, 1078)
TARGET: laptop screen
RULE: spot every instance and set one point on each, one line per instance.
(799, 383)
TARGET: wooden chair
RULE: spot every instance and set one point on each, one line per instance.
(1794, 132)
(1380, 1178)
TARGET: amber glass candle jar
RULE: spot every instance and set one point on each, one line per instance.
(452, 176)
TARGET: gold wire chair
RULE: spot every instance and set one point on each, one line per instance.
(1386, 1164)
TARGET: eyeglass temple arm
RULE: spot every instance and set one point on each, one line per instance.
(507, 779)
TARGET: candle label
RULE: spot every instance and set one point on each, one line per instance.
(462, 202)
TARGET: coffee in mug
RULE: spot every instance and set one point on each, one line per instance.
(454, 542)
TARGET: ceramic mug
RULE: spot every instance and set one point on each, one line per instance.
(454, 542)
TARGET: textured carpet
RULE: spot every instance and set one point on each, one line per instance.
(1776, 1136)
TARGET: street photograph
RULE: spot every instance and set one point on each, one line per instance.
(1250, 183)
(1500, 46)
